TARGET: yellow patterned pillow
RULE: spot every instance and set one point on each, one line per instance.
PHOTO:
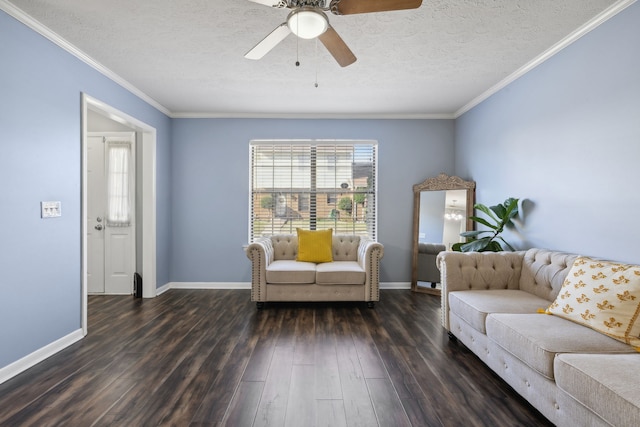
(604, 296)
(315, 245)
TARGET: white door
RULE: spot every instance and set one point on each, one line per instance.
(110, 211)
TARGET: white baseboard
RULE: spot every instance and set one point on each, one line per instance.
(162, 289)
(247, 285)
(395, 285)
(39, 355)
(209, 285)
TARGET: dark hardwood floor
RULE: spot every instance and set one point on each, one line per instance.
(209, 358)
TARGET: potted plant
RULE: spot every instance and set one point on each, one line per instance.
(499, 216)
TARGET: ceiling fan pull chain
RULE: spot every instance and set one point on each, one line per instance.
(298, 43)
(316, 84)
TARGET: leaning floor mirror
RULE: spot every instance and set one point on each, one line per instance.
(441, 210)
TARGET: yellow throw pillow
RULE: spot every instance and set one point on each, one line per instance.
(604, 296)
(315, 245)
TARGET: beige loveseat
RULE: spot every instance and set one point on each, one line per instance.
(353, 275)
(573, 374)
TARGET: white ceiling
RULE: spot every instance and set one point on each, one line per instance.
(187, 56)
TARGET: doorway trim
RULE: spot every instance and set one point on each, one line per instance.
(147, 165)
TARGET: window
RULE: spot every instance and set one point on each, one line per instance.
(315, 185)
(118, 203)
(303, 202)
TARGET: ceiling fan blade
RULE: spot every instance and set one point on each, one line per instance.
(269, 42)
(337, 47)
(351, 7)
(272, 3)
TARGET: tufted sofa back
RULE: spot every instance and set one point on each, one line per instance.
(345, 247)
(544, 271)
(285, 246)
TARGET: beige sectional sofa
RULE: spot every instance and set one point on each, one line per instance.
(353, 275)
(574, 375)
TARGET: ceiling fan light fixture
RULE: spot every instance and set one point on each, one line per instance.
(307, 23)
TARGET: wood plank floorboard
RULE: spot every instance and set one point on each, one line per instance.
(210, 358)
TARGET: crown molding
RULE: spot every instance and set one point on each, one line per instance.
(49, 34)
(333, 116)
(607, 14)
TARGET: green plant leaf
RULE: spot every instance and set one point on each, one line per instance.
(499, 210)
(511, 202)
(511, 210)
(493, 246)
(483, 222)
(476, 245)
(501, 214)
(483, 208)
(473, 233)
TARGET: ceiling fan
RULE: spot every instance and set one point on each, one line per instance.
(308, 20)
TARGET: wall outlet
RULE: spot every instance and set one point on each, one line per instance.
(50, 209)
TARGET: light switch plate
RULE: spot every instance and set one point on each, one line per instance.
(50, 209)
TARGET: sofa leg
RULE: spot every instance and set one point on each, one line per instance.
(452, 337)
(371, 304)
(260, 305)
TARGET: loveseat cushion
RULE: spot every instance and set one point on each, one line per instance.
(340, 273)
(535, 339)
(605, 383)
(474, 306)
(291, 272)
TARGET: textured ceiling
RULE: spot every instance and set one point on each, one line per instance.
(188, 55)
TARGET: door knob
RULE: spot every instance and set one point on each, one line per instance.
(98, 227)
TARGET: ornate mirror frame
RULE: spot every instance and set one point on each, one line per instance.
(441, 182)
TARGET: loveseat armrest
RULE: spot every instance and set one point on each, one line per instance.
(369, 255)
(476, 270)
(260, 253)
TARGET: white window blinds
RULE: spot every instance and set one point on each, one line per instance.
(315, 185)
(118, 201)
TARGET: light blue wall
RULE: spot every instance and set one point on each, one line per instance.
(40, 141)
(566, 136)
(210, 186)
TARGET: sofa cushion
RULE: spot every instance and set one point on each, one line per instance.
(289, 271)
(605, 383)
(474, 306)
(537, 338)
(314, 245)
(340, 273)
(604, 296)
